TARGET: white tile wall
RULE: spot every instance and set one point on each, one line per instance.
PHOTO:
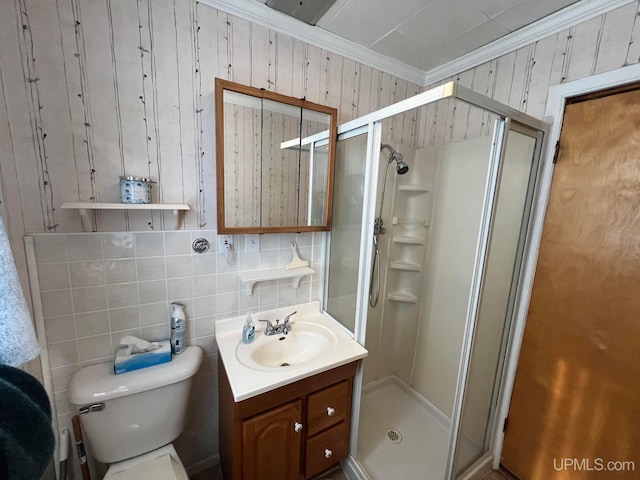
(98, 287)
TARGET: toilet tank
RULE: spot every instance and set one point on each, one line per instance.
(136, 412)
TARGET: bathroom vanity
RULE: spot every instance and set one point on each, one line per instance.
(293, 432)
(291, 421)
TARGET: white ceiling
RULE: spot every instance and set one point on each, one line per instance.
(422, 41)
(429, 33)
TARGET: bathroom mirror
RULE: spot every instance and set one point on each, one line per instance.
(274, 161)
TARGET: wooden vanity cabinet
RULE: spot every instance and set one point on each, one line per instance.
(294, 432)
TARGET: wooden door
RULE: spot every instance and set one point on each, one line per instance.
(271, 446)
(576, 399)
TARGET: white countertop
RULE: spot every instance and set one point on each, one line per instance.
(247, 382)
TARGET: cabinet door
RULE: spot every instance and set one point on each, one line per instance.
(271, 444)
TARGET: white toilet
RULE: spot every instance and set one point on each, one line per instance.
(131, 419)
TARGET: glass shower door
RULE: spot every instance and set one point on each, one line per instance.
(343, 254)
(500, 282)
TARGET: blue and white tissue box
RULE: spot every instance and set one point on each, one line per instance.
(127, 362)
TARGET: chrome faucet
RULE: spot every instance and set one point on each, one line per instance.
(278, 329)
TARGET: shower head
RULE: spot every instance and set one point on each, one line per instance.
(401, 165)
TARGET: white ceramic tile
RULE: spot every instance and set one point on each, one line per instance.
(120, 271)
(154, 314)
(248, 303)
(50, 248)
(208, 344)
(53, 276)
(149, 244)
(227, 263)
(203, 326)
(126, 318)
(84, 247)
(179, 266)
(117, 245)
(87, 274)
(249, 261)
(269, 259)
(152, 268)
(286, 294)
(63, 405)
(205, 306)
(56, 303)
(60, 328)
(61, 377)
(269, 241)
(63, 353)
(268, 296)
(227, 283)
(92, 348)
(304, 239)
(122, 295)
(227, 303)
(177, 243)
(156, 332)
(93, 323)
(204, 285)
(89, 299)
(152, 292)
(204, 264)
(179, 288)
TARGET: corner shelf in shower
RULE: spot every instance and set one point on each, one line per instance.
(408, 240)
(406, 266)
(414, 188)
(402, 297)
(256, 276)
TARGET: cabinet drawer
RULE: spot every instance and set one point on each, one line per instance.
(326, 449)
(328, 407)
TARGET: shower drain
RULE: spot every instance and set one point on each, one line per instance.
(394, 435)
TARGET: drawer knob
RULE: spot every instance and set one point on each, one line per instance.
(327, 453)
(331, 411)
(297, 427)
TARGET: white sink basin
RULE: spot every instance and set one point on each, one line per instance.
(302, 344)
(315, 344)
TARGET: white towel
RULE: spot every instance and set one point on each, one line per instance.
(18, 343)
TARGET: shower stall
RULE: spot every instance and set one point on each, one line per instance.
(423, 267)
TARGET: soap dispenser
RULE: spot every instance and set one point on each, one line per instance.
(249, 330)
(177, 328)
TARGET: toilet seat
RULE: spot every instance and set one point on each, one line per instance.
(161, 464)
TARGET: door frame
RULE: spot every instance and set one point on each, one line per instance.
(554, 116)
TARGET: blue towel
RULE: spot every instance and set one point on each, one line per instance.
(26, 436)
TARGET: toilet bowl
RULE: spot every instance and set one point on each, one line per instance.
(131, 419)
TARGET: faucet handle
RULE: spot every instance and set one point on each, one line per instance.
(286, 319)
(269, 327)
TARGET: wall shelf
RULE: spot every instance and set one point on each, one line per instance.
(406, 266)
(414, 188)
(87, 210)
(402, 297)
(408, 240)
(256, 276)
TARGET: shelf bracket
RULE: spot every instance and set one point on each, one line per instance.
(88, 219)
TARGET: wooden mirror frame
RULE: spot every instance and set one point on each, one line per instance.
(222, 85)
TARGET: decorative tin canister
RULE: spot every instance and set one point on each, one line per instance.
(135, 190)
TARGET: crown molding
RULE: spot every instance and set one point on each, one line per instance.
(261, 14)
(554, 23)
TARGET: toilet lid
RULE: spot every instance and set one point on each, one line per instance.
(161, 468)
